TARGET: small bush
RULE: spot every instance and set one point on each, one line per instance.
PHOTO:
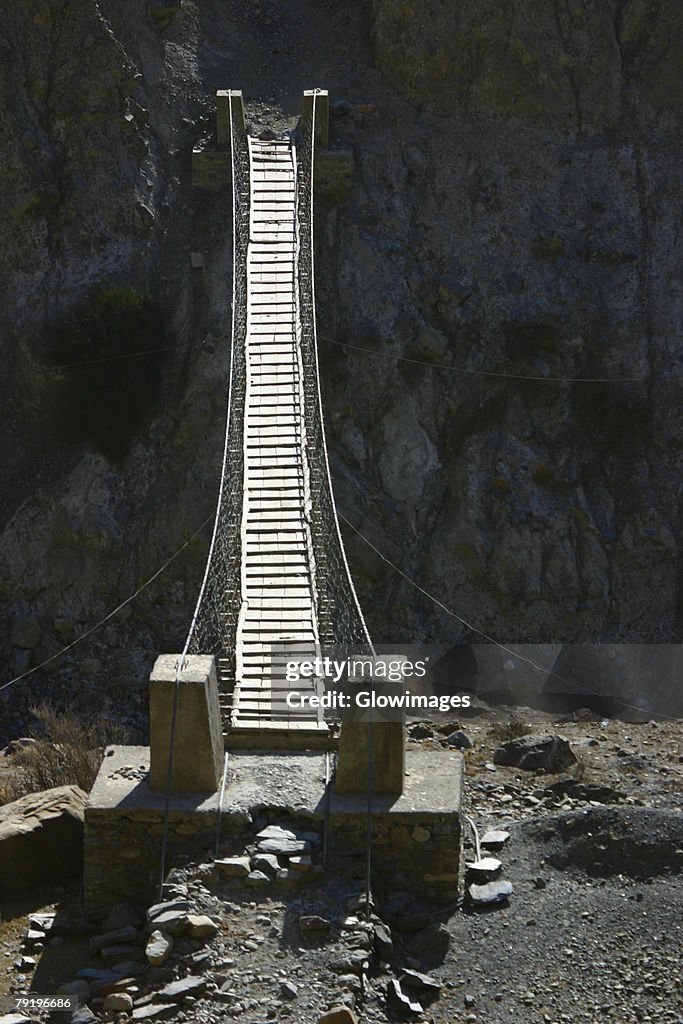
(67, 752)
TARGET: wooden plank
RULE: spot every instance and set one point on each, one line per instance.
(267, 262)
(279, 361)
(272, 301)
(276, 496)
(267, 181)
(269, 430)
(273, 502)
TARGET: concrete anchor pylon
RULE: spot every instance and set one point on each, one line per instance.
(198, 735)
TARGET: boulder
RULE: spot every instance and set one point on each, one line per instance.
(41, 838)
(551, 753)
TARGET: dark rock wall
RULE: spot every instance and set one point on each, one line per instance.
(515, 210)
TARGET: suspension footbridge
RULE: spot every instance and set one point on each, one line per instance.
(276, 587)
(277, 584)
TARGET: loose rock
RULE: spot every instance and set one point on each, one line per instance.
(121, 954)
(384, 946)
(115, 938)
(339, 1015)
(494, 838)
(155, 1011)
(176, 991)
(313, 924)
(201, 927)
(492, 892)
(159, 947)
(118, 1002)
(460, 740)
(416, 980)
(234, 867)
(551, 752)
(255, 879)
(173, 922)
(284, 847)
(484, 870)
(158, 909)
(267, 863)
(400, 1000)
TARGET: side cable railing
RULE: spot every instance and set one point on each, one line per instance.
(214, 625)
(340, 619)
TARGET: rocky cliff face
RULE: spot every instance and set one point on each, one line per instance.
(522, 223)
(514, 216)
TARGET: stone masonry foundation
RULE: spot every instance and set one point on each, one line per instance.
(416, 837)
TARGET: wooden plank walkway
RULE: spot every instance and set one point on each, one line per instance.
(278, 573)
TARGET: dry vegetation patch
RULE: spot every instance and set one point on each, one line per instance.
(63, 750)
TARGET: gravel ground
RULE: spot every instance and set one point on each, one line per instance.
(593, 931)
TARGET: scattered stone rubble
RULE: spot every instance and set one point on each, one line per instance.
(279, 854)
(198, 952)
(179, 962)
(298, 944)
